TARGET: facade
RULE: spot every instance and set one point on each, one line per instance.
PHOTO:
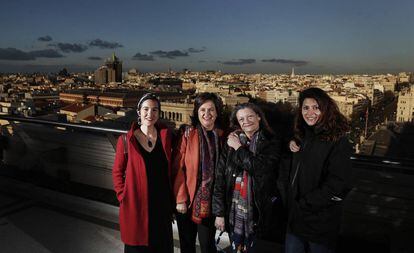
(115, 98)
(232, 100)
(210, 87)
(188, 86)
(70, 97)
(405, 107)
(389, 85)
(178, 113)
(101, 75)
(348, 104)
(275, 96)
(376, 96)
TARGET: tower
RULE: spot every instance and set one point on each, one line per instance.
(111, 71)
(115, 65)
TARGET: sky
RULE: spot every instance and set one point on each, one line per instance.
(233, 36)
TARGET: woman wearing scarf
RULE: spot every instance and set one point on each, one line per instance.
(194, 165)
(245, 193)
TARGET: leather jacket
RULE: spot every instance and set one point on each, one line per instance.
(262, 166)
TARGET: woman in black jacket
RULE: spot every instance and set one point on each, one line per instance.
(245, 192)
(320, 171)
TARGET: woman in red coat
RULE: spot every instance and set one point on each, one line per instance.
(141, 176)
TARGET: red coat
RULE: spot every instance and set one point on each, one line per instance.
(185, 166)
(130, 184)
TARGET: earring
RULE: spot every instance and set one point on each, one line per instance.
(139, 119)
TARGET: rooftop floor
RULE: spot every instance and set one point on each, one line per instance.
(68, 224)
(30, 226)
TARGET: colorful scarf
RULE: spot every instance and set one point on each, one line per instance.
(241, 211)
(208, 154)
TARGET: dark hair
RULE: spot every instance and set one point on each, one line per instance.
(200, 100)
(234, 123)
(331, 125)
(148, 96)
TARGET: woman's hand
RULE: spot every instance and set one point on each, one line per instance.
(234, 141)
(187, 131)
(219, 223)
(181, 208)
(293, 146)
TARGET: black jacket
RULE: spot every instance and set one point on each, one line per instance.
(317, 182)
(263, 169)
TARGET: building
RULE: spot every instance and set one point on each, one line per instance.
(72, 97)
(188, 86)
(210, 87)
(389, 85)
(283, 96)
(232, 100)
(75, 113)
(405, 107)
(376, 96)
(115, 98)
(110, 72)
(8, 107)
(177, 113)
(404, 77)
(349, 104)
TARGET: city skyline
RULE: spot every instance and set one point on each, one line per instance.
(316, 37)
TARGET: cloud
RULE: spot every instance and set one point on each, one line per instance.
(94, 58)
(30, 68)
(46, 53)
(14, 54)
(143, 57)
(194, 50)
(69, 47)
(240, 62)
(45, 38)
(169, 54)
(285, 61)
(104, 44)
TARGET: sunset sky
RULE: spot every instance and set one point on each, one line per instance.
(365, 36)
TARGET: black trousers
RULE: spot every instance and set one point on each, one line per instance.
(146, 249)
(136, 249)
(188, 231)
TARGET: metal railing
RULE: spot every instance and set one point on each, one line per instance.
(383, 192)
(63, 124)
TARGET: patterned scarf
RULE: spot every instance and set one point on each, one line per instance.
(208, 155)
(241, 211)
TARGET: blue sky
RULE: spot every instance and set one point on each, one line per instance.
(365, 36)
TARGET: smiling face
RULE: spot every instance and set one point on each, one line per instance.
(149, 112)
(310, 111)
(207, 115)
(249, 121)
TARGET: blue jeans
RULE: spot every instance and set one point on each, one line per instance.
(295, 244)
